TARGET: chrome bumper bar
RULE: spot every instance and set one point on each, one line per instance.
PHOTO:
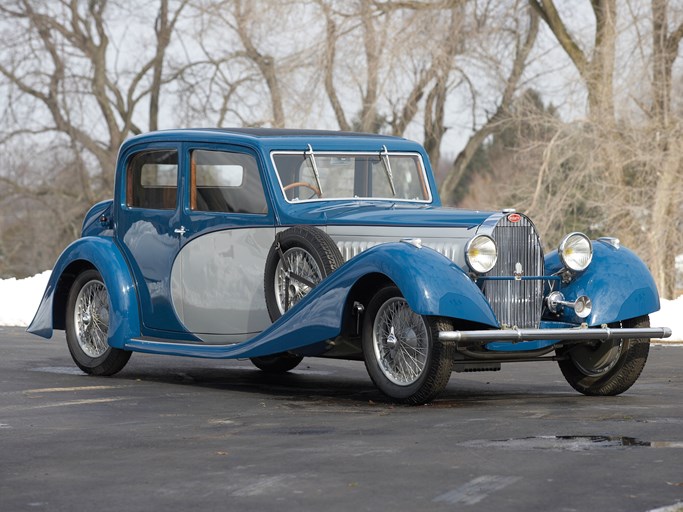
(579, 333)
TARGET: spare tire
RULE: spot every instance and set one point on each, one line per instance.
(298, 260)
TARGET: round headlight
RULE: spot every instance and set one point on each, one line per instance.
(481, 254)
(576, 251)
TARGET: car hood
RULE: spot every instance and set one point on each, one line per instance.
(366, 213)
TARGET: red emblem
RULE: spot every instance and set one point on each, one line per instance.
(514, 217)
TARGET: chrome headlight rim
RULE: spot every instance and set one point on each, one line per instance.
(566, 252)
(474, 244)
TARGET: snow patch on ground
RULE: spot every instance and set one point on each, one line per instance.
(19, 299)
(670, 315)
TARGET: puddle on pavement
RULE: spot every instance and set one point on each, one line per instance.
(571, 443)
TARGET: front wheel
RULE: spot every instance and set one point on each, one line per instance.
(402, 351)
(606, 368)
(87, 327)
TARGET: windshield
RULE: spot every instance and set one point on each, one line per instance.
(311, 176)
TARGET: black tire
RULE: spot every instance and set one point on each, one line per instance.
(278, 363)
(431, 357)
(301, 241)
(608, 368)
(87, 329)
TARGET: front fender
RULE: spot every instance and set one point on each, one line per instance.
(104, 255)
(617, 282)
(431, 283)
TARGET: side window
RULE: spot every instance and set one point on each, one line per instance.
(152, 180)
(225, 182)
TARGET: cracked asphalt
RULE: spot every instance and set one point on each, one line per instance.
(178, 434)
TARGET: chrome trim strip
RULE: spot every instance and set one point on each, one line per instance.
(580, 333)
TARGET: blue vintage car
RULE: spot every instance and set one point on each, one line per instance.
(276, 245)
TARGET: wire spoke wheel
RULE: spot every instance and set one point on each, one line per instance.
(91, 318)
(88, 315)
(400, 342)
(403, 353)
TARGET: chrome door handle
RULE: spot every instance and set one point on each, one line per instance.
(180, 231)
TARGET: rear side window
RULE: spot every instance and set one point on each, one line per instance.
(152, 180)
(228, 182)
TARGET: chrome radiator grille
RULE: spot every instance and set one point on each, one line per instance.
(516, 303)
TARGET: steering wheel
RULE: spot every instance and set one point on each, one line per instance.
(304, 184)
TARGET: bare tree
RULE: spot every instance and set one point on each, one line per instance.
(524, 38)
(366, 23)
(665, 237)
(72, 95)
(597, 68)
(65, 60)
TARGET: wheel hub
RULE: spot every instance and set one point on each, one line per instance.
(595, 361)
(391, 340)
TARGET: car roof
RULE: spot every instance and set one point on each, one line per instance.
(290, 132)
(257, 133)
(271, 139)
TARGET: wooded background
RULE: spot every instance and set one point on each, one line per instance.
(567, 111)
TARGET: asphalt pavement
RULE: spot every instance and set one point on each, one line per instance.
(181, 434)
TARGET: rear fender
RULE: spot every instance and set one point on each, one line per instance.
(618, 283)
(103, 255)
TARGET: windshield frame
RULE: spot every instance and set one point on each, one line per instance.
(422, 171)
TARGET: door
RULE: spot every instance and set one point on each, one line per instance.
(217, 282)
(149, 228)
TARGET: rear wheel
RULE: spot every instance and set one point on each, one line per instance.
(403, 354)
(87, 327)
(606, 368)
(278, 363)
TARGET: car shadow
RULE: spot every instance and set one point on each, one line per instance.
(340, 385)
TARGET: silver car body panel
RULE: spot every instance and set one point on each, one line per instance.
(217, 284)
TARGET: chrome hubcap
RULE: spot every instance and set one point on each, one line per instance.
(400, 342)
(91, 318)
(289, 290)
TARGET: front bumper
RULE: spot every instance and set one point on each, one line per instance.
(578, 333)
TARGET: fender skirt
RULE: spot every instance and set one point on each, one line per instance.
(104, 255)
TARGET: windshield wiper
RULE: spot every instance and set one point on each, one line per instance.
(384, 155)
(309, 154)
